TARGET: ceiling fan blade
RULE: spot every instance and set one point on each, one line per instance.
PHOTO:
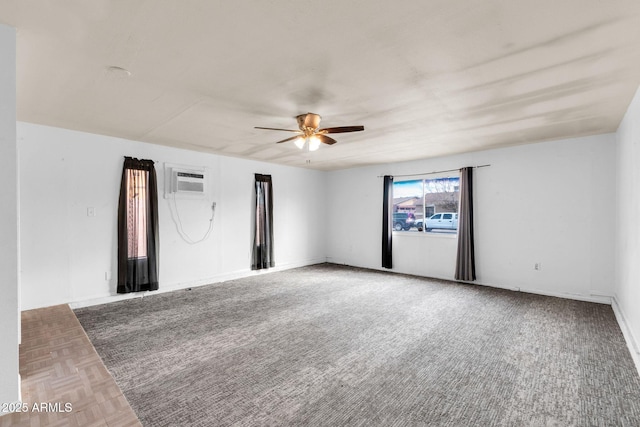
(284, 130)
(325, 139)
(288, 139)
(341, 129)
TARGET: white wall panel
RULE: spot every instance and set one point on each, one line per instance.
(628, 226)
(68, 253)
(539, 203)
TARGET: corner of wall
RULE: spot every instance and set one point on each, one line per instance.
(632, 342)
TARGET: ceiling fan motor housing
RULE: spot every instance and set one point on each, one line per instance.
(309, 121)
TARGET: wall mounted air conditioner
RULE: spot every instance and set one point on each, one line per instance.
(185, 181)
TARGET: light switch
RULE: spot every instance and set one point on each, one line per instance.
(91, 211)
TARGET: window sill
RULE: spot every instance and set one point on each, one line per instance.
(437, 235)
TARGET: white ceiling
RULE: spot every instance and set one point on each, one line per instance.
(426, 78)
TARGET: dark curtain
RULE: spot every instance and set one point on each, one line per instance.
(138, 227)
(387, 222)
(263, 238)
(465, 262)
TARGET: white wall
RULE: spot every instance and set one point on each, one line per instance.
(67, 253)
(627, 295)
(9, 241)
(545, 203)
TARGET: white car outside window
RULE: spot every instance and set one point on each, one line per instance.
(442, 221)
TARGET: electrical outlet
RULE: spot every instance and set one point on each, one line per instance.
(537, 266)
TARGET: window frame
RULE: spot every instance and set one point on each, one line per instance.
(439, 233)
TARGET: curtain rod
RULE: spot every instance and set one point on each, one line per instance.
(434, 172)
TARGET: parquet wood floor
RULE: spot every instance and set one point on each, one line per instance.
(59, 366)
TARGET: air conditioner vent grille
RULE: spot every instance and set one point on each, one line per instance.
(190, 186)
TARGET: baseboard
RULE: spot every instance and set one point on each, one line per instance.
(592, 297)
(632, 343)
(600, 299)
(176, 286)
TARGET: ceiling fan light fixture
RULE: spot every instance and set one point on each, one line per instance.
(299, 141)
(314, 143)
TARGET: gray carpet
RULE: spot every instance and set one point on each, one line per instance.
(328, 345)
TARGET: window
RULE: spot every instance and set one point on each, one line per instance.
(137, 213)
(426, 205)
(262, 256)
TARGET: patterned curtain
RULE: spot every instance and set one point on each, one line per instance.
(263, 237)
(138, 227)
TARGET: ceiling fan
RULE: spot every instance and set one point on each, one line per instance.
(310, 134)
